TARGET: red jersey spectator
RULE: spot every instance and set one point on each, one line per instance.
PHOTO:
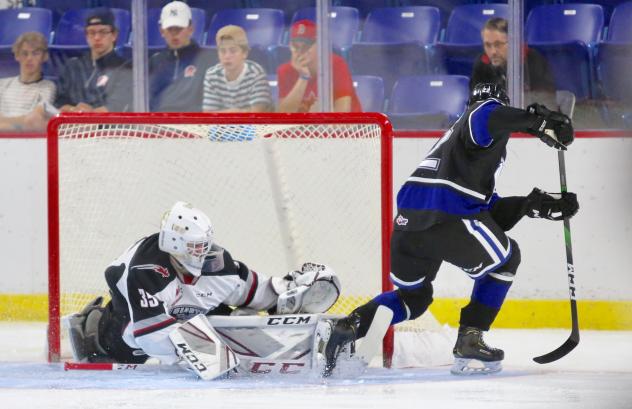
(298, 87)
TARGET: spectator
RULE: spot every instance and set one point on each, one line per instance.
(34, 120)
(99, 80)
(236, 84)
(176, 74)
(298, 89)
(20, 95)
(491, 66)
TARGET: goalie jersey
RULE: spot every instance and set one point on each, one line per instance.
(158, 296)
(457, 177)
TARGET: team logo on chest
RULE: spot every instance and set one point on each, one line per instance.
(190, 71)
(163, 271)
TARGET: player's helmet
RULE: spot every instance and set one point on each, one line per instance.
(483, 91)
(187, 234)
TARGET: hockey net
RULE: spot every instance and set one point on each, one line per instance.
(279, 189)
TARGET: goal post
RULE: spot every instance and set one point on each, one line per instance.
(280, 189)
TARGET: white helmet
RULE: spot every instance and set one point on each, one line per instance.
(186, 233)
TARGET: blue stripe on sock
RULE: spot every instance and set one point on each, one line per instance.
(391, 300)
(490, 291)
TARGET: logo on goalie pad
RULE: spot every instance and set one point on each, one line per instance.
(190, 356)
(277, 367)
(289, 320)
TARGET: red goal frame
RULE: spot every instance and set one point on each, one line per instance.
(54, 335)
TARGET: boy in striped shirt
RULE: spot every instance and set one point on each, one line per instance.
(236, 84)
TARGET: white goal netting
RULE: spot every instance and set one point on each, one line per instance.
(278, 194)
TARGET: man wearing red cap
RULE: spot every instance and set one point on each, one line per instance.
(298, 88)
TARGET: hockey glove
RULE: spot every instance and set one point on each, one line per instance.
(553, 128)
(552, 206)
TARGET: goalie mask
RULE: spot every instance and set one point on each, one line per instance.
(484, 91)
(186, 233)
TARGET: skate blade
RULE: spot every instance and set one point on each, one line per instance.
(467, 367)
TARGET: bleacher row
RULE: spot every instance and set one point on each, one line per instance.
(588, 45)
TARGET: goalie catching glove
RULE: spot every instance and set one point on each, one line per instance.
(314, 289)
(553, 128)
(551, 206)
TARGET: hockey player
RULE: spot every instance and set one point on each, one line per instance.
(172, 276)
(448, 211)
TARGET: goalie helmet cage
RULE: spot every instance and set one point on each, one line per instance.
(319, 184)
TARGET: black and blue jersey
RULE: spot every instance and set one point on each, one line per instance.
(457, 178)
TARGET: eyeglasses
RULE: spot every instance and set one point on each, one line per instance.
(496, 44)
(94, 33)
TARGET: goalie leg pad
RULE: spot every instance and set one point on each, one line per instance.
(202, 349)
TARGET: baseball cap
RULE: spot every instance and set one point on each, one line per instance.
(101, 16)
(303, 30)
(175, 14)
(236, 33)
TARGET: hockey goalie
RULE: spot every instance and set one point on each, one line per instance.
(175, 297)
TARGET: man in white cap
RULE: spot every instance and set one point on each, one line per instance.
(176, 74)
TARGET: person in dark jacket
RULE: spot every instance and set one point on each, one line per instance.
(176, 74)
(100, 80)
(491, 66)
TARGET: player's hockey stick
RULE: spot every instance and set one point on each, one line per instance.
(573, 339)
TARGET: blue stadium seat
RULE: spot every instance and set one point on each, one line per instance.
(71, 28)
(390, 54)
(565, 35)
(155, 40)
(370, 92)
(560, 23)
(613, 59)
(8, 66)
(620, 27)
(402, 25)
(444, 100)
(17, 21)
(389, 61)
(608, 5)
(345, 22)
(613, 62)
(465, 22)
(444, 6)
(462, 44)
(289, 7)
(365, 6)
(263, 26)
(59, 7)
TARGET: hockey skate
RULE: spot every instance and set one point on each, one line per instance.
(472, 356)
(337, 342)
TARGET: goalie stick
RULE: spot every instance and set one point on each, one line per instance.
(107, 366)
(573, 339)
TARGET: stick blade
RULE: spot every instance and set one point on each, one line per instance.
(560, 352)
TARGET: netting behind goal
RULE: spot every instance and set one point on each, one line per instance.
(279, 189)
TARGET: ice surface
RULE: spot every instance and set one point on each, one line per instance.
(597, 374)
